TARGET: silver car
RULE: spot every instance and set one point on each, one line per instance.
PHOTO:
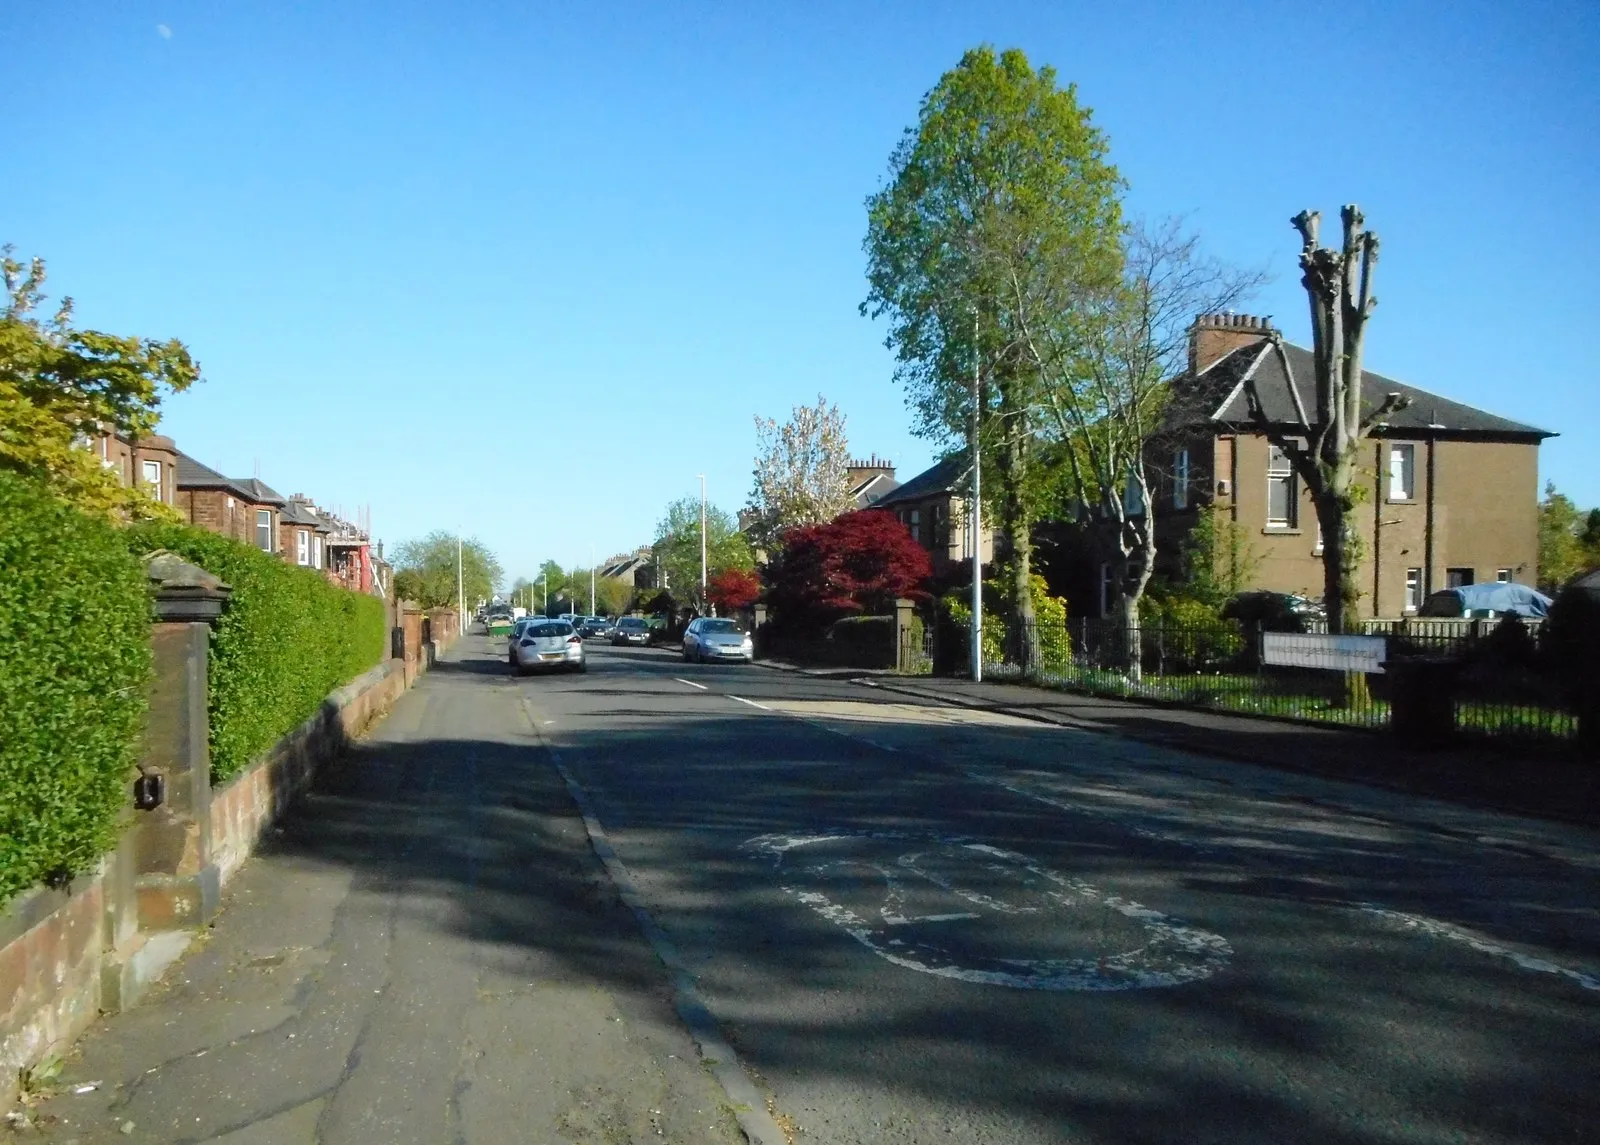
(548, 644)
(709, 638)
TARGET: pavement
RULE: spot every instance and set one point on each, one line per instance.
(703, 903)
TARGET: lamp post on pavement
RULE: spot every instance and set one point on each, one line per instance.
(461, 590)
(702, 477)
(976, 635)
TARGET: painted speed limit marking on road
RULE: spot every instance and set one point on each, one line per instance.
(977, 913)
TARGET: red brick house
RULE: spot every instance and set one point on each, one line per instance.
(303, 534)
(151, 462)
(245, 509)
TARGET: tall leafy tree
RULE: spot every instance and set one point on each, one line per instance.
(60, 384)
(859, 562)
(425, 570)
(801, 471)
(1325, 447)
(1107, 394)
(1002, 213)
(677, 546)
(1563, 553)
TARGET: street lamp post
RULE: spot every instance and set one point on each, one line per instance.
(591, 580)
(976, 635)
(461, 589)
(702, 477)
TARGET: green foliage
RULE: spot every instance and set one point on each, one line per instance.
(425, 570)
(1218, 560)
(677, 545)
(863, 642)
(286, 639)
(74, 661)
(1050, 612)
(1569, 540)
(58, 383)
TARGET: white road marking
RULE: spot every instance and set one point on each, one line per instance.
(1173, 953)
(691, 683)
(752, 703)
(1433, 928)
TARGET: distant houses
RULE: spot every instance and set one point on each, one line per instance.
(295, 528)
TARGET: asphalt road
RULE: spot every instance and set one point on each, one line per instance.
(920, 924)
(884, 920)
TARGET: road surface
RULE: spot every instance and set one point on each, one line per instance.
(888, 920)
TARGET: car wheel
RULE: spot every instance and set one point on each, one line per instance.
(581, 667)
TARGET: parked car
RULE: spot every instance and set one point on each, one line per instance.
(1486, 601)
(594, 626)
(548, 644)
(631, 630)
(709, 638)
(1273, 611)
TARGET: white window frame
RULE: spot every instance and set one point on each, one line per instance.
(1503, 576)
(1413, 590)
(1180, 479)
(145, 468)
(316, 551)
(1280, 468)
(302, 547)
(914, 524)
(264, 513)
(1402, 472)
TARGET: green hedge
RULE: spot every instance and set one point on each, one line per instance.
(286, 639)
(74, 664)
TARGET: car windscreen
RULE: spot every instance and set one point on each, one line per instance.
(723, 626)
(556, 629)
(631, 622)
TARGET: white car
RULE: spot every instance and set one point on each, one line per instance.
(547, 644)
(711, 639)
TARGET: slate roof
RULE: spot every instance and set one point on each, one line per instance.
(941, 478)
(299, 513)
(1220, 394)
(868, 493)
(192, 475)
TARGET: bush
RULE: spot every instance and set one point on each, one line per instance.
(1050, 615)
(863, 641)
(286, 639)
(74, 663)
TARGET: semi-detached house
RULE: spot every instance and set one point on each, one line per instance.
(245, 509)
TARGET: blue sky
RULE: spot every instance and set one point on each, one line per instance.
(525, 271)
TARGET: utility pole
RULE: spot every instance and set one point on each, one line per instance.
(461, 589)
(976, 636)
(702, 477)
(591, 580)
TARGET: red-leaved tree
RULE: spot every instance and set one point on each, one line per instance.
(733, 589)
(858, 562)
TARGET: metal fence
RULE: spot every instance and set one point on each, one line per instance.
(1498, 676)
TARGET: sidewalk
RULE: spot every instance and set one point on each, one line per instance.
(1494, 779)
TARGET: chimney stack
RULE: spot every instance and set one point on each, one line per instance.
(1215, 336)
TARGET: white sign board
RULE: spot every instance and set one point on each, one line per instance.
(1335, 653)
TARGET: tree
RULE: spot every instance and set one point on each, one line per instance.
(801, 473)
(1002, 192)
(425, 570)
(1325, 446)
(612, 596)
(1107, 394)
(860, 562)
(60, 384)
(733, 589)
(1562, 551)
(677, 546)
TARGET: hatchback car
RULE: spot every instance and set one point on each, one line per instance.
(631, 630)
(709, 638)
(594, 626)
(548, 644)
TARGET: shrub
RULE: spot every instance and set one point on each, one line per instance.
(1050, 616)
(863, 641)
(74, 663)
(286, 639)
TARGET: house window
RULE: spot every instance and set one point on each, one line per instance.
(914, 524)
(264, 530)
(1402, 472)
(1459, 578)
(939, 526)
(151, 471)
(1413, 589)
(1105, 590)
(1283, 494)
(302, 547)
(316, 552)
(1132, 498)
(1502, 576)
(1180, 479)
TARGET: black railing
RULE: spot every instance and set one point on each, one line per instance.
(1499, 677)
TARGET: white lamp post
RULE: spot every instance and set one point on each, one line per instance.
(976, 635)
(702, 477)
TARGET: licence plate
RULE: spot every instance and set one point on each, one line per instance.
(550, 655)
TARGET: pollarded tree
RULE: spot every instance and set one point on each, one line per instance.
(859, 562)
(1325, 447)
(801, 472)
(1002, 190)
